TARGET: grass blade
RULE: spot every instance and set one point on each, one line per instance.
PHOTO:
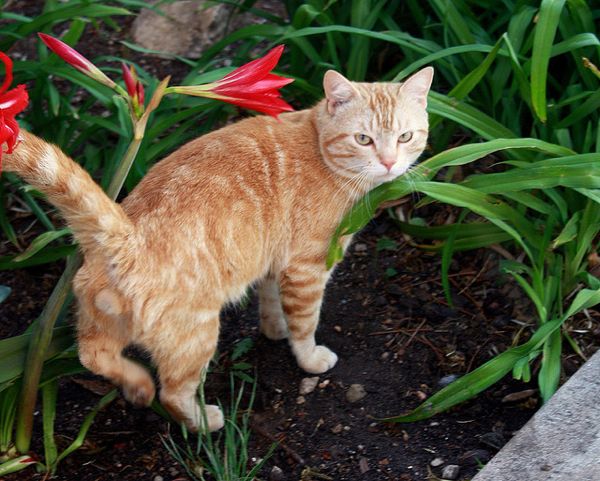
(545, 32)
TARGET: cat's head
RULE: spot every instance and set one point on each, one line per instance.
(376, 130)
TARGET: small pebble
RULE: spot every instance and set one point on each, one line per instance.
(355, 393)
(308, 385)
(436, 462)
(360, 247)
(337, 328)
(450, 472)
(449, 379)
(276, 474)
(337, 429)
(158, 478)
(363, 465)
(324, 384)
(421, 395)
(385, 356)
(300, 400)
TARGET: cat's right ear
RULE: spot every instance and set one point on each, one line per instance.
(338, 90)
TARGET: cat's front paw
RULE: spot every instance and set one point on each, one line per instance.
(319, 360)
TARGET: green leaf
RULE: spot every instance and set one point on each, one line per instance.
(49, 395)
(569, 231)
(87, 423)
(386, 244)
(550, 371)
(480, 379)
(545, 31)
(40, 242)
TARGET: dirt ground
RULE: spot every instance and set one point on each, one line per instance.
(384, 315)
(395, 335)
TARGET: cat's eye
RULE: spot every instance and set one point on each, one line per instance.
(405, 137)
(362, 139)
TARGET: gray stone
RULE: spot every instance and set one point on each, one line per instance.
(562, 440)
(450, 472)
(276, 474)
(308, 385)
(435, 462)
(187, 27)
(355, 393)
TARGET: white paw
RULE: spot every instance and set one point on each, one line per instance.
(212, 415)
(321, 359)
(274, 328)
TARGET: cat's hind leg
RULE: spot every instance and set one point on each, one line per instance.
(101, 345)
(302, 288)
(182, 353)
(272, 319)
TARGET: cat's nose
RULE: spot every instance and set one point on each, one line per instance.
(388, 162)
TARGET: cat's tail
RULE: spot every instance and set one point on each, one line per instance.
(98, 223)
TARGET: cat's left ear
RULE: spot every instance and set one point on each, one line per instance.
(417, 85)
(338, 90)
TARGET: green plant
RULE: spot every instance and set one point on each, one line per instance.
(226, 457)
(545, 203)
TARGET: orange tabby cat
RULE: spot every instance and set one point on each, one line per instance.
(256, 201)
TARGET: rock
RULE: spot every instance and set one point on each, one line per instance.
(158, 478)
(363, 465)
(300, 400)
(308, 385)
(475, 457)
(186, 28)
(492, 440)
(276, 474)
(360, 247)
(450, 472)
(337, 429)
(355, 393)
(436, 462)
(449, 379)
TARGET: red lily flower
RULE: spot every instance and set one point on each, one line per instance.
(251, 86)
(12, 102)
(75, 59)
(135, 89)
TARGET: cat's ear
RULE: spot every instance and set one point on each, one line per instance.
(338, 90)
(417, 85)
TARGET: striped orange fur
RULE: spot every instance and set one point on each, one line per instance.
(254, 202)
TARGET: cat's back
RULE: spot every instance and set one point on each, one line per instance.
(254, 158)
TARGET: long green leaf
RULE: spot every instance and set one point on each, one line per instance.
(480, 379)
(545, 32)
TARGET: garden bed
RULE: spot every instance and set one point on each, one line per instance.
(396, 336)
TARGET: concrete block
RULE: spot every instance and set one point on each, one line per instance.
(561, 442)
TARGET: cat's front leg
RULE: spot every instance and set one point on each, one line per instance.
(302, 288)
(272, 320)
